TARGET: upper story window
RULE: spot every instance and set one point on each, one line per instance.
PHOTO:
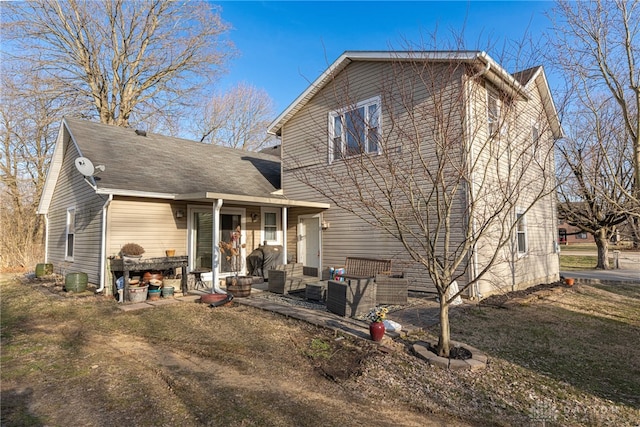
(70, 233)
(355, 130)
(493, 112)
(521, 229)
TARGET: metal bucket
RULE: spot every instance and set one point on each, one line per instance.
(138, 293)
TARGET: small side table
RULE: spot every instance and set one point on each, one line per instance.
(316, 291)
(199, 283)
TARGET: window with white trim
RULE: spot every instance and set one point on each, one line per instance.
(493, 113)
(70, 234)
(271, 226)
(535, 137)
(355, 130)
(521, 232)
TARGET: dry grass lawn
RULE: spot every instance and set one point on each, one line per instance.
(568, 357)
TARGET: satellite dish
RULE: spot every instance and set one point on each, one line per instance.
(84, 166)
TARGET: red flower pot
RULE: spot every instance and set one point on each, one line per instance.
(376, 330)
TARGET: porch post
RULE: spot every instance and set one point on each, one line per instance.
(284, 235)
(215, 252)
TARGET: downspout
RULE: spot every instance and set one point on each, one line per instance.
(215, 253)
(46, 237)
(475, 290)
(103, 244)
(284, 240)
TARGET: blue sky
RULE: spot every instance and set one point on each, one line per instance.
(285, 45)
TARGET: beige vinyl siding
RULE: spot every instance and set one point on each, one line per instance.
(72, 191)
(305, 145)
(305, 142)
(151, 224)
(253, 229)
(540, 263)
(305, 137)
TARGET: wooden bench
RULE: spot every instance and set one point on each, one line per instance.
(356, 295)
(291, 277)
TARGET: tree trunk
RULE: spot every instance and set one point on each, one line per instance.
(444, 340)
(602, 243)
(635, 230)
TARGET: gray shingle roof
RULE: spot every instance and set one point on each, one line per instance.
(161, 164)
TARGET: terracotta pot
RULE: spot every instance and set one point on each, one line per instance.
(151, 275)
(216, 299)
(569, 281)
(170, 252)
(376, 330)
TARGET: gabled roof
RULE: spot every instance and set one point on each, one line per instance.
(158, 166)
(491, 70)
(536, 76)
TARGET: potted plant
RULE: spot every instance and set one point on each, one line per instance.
(131, 251)
(376, 328)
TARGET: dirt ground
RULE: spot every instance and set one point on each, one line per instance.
(79, 360)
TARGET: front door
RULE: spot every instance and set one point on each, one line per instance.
(309, 241)
(231, 232)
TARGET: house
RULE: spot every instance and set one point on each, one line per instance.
(569, 234)
(382, 117)
(107, 186)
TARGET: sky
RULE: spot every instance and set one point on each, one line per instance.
(285, 45)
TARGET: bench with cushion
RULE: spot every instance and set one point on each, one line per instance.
(291, 277)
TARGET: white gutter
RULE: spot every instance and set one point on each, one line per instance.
(103, 245)
(46, 237)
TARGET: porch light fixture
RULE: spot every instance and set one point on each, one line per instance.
(179, 213)
(254, 217)
(325, 225)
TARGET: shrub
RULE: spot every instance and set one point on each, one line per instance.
(132, 249)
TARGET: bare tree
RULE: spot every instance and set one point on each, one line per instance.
(128, 60)
(29, 120)
(237, 119)
(597, 46)
(445, 162)
(594, 170)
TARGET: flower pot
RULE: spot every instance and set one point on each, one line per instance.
(154, 294)
(167, 291)
(569, 281)
(148, 276)
(240, 286)
(215, 300)
(75, 282)
(44, 270)
(138, 293)
(376, 330)
(170, 252)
